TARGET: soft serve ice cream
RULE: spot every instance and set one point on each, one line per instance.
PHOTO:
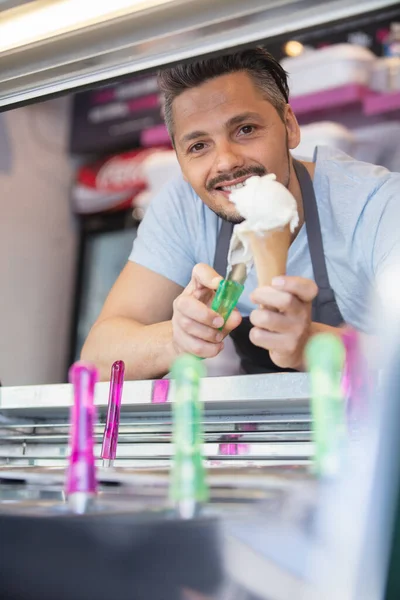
(270, 217)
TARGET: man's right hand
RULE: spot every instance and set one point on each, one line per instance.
(195, 326)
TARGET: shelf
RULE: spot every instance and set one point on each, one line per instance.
(339, 97)
(346, 97)
(155, 136)
(377, 103)
(310, 106)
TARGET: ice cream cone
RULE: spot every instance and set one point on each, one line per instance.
(270, 251)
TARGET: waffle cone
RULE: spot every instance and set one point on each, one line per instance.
(270, 252)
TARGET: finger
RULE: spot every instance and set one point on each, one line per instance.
(274, 342)
(276, 299)
(200, 331)
(205, 276)
(305, 289)
(192, 308)
(198, 347)
(234, 321)
(203, 294)
(271, 320)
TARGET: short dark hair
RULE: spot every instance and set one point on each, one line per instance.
(265, 71)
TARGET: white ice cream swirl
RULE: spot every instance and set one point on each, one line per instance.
(265, 204)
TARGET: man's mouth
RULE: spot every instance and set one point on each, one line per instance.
(228, 187)
(232, 183)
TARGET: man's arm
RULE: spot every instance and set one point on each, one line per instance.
(148, 320)
(135, 325)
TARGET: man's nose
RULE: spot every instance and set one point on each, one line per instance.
(228, 157)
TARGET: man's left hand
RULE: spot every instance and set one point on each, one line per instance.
(282, 324)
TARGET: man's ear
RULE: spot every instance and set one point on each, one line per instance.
(292, 128)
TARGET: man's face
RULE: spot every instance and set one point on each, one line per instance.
(226, 131)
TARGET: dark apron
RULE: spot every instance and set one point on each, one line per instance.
(324, 308)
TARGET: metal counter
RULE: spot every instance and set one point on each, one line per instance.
(255, 418)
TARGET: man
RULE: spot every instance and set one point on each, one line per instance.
(229, 119)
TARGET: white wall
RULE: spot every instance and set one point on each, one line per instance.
(37, 244)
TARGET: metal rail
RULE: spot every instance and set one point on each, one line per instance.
(260, 418)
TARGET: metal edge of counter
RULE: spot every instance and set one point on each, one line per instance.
(288, 391)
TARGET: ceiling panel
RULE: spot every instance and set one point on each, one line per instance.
(147, 38)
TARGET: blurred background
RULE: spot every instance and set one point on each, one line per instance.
(83, 148)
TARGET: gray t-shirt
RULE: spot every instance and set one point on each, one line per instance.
(359, 209)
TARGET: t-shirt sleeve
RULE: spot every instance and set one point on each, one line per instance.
(166, 236)
(384, 226)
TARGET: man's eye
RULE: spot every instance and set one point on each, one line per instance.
(197, 147)
(246, 129)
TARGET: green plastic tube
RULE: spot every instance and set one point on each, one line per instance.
(226, 297)
(325, 355)
(188, 486)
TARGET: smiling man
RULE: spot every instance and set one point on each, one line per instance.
(229, 119)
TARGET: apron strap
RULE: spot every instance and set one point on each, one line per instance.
(313, 227)
(222, 247)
